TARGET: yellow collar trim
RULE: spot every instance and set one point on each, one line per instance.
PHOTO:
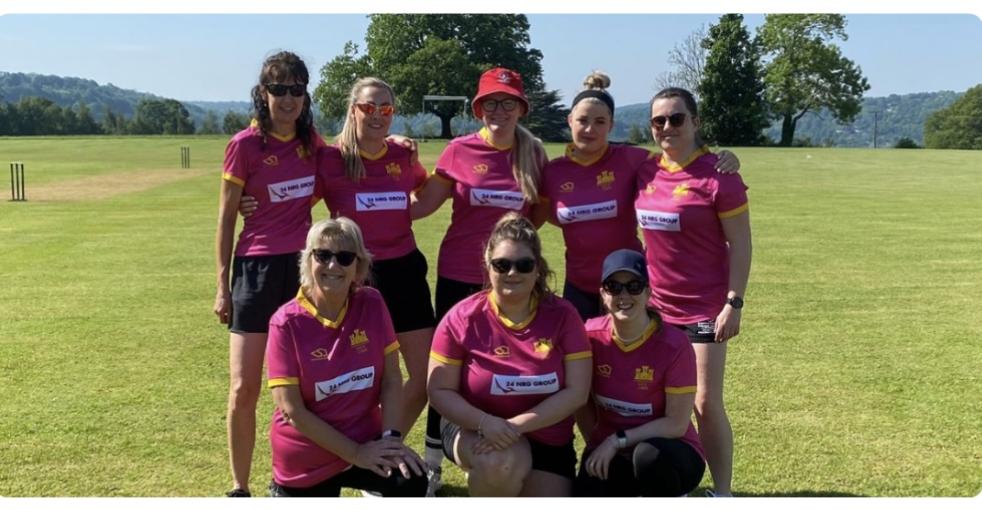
(376, 156)
(533, 302)
(629, 347)
(312, 309)
(673, 167)
(255, 124)
(485, 135)
(584, 162)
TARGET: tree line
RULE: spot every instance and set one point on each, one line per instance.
(37, 116)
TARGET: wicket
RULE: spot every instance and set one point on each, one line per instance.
(185, 157)
(17, 182)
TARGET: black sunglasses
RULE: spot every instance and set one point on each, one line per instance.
(675, 119)
(489, 105)
(344, 258)
(634, 287)
(279, 89)
(504, 265)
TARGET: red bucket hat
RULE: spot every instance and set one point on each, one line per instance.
(499, 79)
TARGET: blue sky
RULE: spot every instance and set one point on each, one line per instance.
(217, 57)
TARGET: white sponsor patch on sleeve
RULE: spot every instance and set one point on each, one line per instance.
(291, 189)
(655, 220)
(357, 380)
(512, 200)
(625, 408)
(519, 385)
(588, 212)
(371, 202)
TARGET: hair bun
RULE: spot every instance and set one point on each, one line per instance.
(596, 80)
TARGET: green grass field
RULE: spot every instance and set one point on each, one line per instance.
(857, 371)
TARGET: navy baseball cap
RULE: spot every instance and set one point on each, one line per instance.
(627, 260)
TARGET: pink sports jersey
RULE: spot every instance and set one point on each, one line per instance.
(484, 190)
(379, 202)
(630, 382)
(593, 202)
(679, 208)
(338, 368)
(508, 368)
(281, 178)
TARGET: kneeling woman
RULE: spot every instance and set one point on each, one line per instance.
(640, 438)
(334, 371)
(508, 367)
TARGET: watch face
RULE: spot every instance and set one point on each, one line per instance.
(736, 302)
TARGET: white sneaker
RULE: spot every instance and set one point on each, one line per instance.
(433, 475)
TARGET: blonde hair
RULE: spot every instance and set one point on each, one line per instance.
(527, 154)
(342, 231)
(596, 80)
(347, 139)
(600, 82)
(517, 228)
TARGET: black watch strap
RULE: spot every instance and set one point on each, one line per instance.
(735, 302)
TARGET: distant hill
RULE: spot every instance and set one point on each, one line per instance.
(897, 116)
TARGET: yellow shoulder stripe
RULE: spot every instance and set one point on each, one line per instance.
(280, 382)
(578, 355)
(735, 212)
(446, 360)
(233, 179)
(689, 389)
(392, 348)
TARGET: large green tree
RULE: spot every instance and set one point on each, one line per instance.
(958, 126)
(166, 116)
(731, 92)
(439, 54)
(806, 72)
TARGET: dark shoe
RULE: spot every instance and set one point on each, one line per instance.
(238, 492)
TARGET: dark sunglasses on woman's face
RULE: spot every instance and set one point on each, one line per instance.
(344, 258)
(386, 110)
(489, 105)
(504, 265)
(675, 120)
(633, 287)
(279, 89)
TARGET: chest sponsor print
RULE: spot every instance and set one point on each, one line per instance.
(624, 408)
(357, 380)
(521, 385)
(588, 212)
(656, 220)
(291, 189)
(512, 200)
(372, 202)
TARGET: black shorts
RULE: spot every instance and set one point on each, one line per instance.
(587, 304)
(449, 292)
(699, 332)
(358, 478)
(555, 459)
(260, 285)
(402, 283)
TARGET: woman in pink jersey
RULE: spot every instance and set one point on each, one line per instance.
(508, 368)
(487, 174)
(589, 193)
(638, 422)
(334, 373)
(369, 179)
(271, 160)
(696, 228)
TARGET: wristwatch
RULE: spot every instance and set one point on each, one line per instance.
(735, 302)
(621, 439)
(394, 433)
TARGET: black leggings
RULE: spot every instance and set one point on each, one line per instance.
(358, 478)
(657, 467)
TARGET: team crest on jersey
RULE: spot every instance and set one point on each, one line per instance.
(320, 354)
(680, 191)
(604, 370)
(605, 180)
(358, 339)
(650, 188)
(480, 169)
(567, 187)
(643, 375)
(543, 346)
(394, 170)
(302, 152)
(271, 161)
(502, 351)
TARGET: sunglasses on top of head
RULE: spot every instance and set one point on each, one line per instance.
(279, 89)
(504, 265)
(489, 105)
(633, 287)
(675, 120)
(344, 258)
(386, 110)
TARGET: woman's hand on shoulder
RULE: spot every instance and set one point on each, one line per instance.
(727, 162)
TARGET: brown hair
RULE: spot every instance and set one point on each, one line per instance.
(276, 68)
(517, 228)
